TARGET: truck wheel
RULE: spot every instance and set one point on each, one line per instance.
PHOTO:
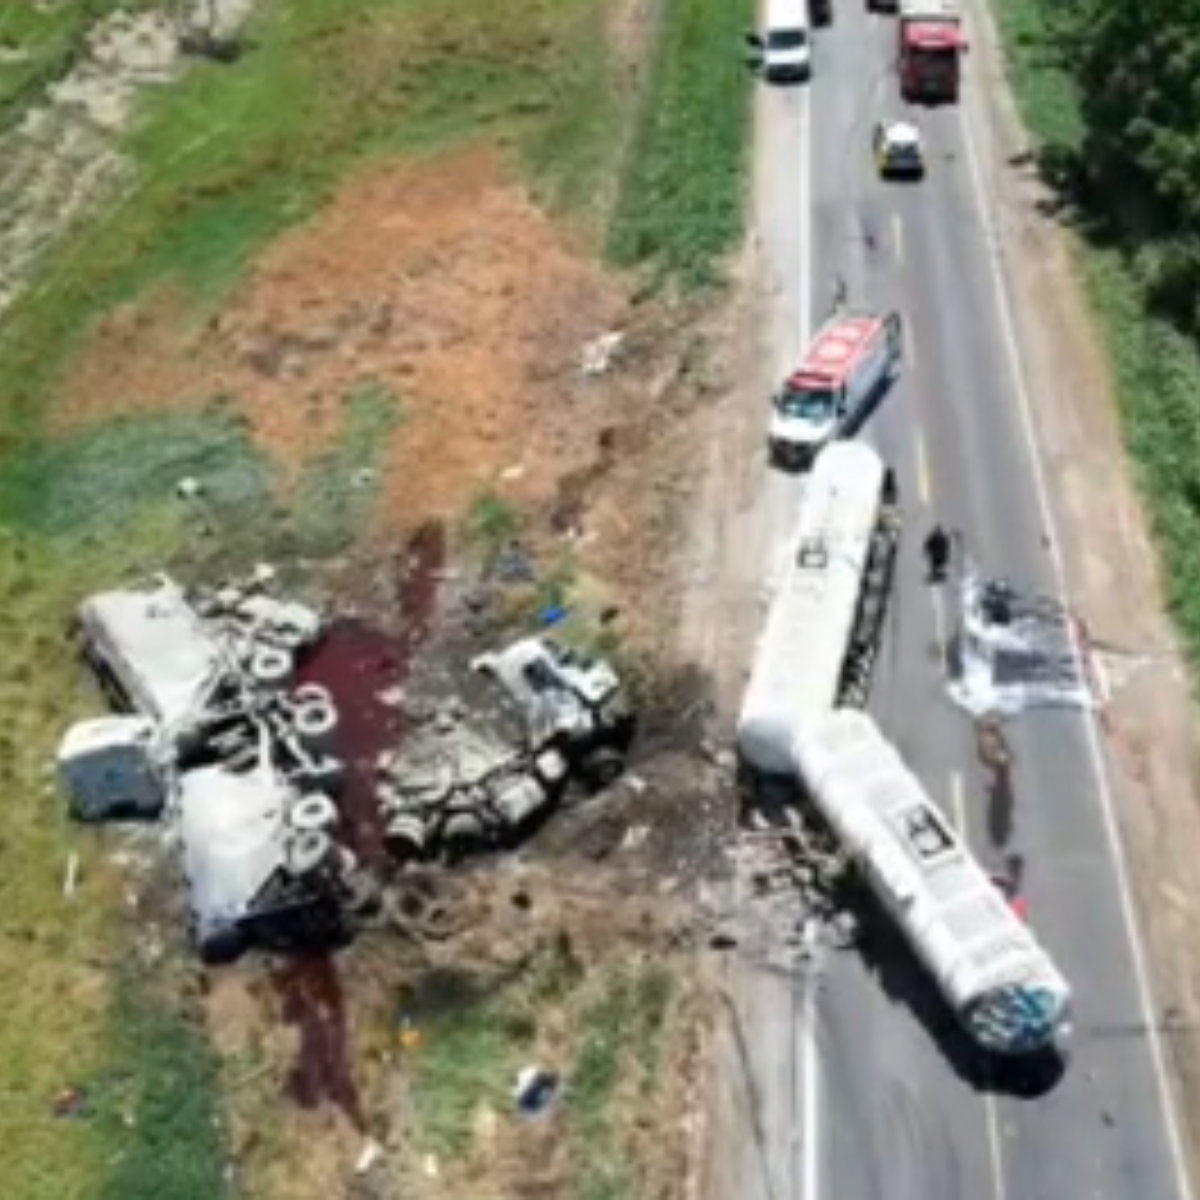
(270, 667)
(315, 812)
(316, 724)
(601, 768)
(463, 835)
(305, 851)
(405, 837)
(222, 946)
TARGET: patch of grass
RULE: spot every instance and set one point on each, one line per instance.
(611, 1020)
(55, 984)
(619, 1054)
(40, 42)
(97, 480)
(574, 158)
(681, 202)
(1042, 85)
(166, 1092)
(474, 1040)
(491, 523)
(1157, 369)
(337, 490)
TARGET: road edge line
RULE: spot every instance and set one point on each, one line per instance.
(1099, 762)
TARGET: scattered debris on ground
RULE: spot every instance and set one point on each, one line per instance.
(229, 731)
(1013, 652)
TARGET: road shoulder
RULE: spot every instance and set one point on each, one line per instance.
(1149, 736)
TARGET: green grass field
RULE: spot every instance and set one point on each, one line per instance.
(680, 208)
(227, 158)
(1157, 370)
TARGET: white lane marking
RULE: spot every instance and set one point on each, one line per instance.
(804, 275)
(993, 1127)
(1095, 751)
(958, 804)
(810, 1068)
(924, 484)
(939, 616)
(810, 1089)
(898, 236)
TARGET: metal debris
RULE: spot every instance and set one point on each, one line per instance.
(598, 355)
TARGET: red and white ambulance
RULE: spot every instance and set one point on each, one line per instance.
(849, 363)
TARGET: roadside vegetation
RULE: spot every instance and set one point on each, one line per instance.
(1109, 92)
(603, 1035)
(680, 206)
(226, 159)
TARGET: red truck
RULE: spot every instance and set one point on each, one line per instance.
(929, 50)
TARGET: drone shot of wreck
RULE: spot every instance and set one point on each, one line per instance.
(599, 601)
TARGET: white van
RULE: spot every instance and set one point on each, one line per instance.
(783, 50)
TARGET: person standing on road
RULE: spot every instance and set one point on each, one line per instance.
(937, 553)
(839, 295)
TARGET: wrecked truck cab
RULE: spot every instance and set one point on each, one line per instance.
(567, 700)
(533, 668)
(261, 864)
(152, 652)
(561, 693)
(112, 769)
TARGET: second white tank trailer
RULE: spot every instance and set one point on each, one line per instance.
(1001, 984)
(826, 616)
(799, 720)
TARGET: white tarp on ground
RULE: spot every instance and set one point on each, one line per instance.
(1013, 652)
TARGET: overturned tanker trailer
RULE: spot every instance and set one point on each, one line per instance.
(826, 618)
(999, 981)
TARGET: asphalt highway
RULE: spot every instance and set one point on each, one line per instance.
(884, 1094)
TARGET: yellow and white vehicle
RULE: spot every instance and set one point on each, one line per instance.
(899, 153)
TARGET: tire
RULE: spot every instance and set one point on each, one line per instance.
(602, 768)
(551, 767)
(222, 946)
(316, 812)
(406, 837)
(304, 852)
(270, 667)
(315, 723)
(463, 834)
(871, 617)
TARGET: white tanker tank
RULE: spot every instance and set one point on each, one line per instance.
(827, 613)
(999, 981)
